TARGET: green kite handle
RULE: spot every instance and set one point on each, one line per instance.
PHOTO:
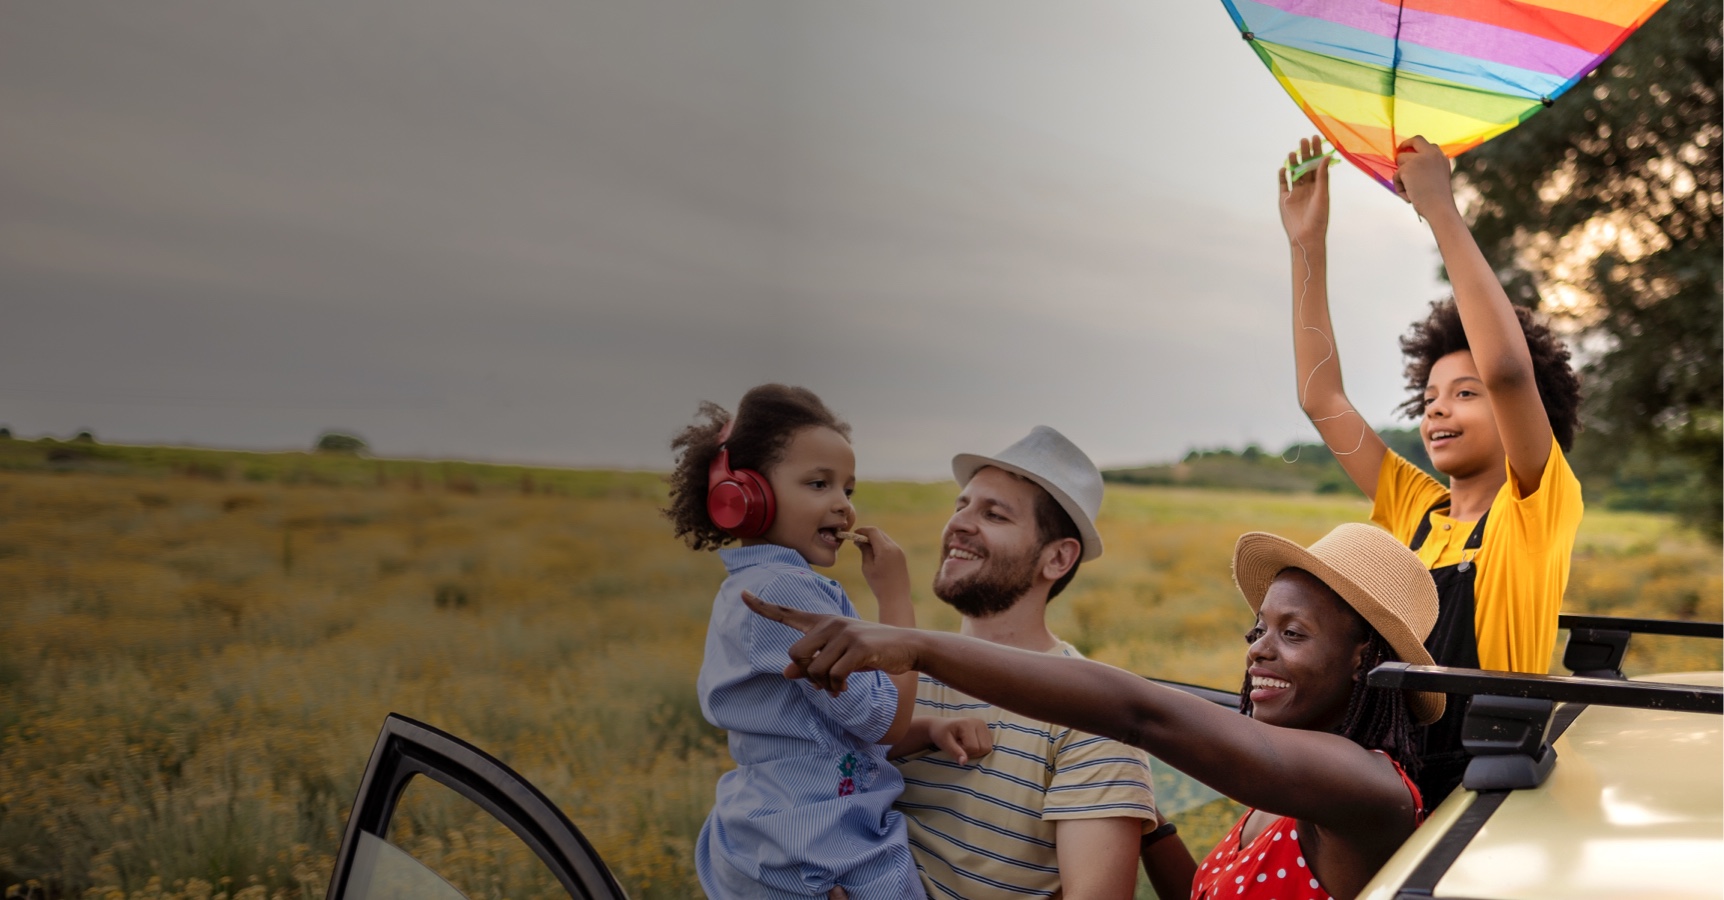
(1294, 173)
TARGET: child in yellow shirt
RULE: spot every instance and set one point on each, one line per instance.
(1497, 406)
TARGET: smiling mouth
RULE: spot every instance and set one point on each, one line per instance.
(1443, 435)
(1265, 683)
(961, 553)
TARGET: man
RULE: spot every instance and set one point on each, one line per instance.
(1051, 811)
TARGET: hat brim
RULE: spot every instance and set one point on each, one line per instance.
(1259, 557)
(966, 465)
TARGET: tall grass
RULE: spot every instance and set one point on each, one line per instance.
(197, 662)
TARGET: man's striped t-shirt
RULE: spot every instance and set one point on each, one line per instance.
(986, 830)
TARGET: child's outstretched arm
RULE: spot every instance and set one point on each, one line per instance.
(964, 738)
(887, 572)
(1493, 332)
(1305, 216)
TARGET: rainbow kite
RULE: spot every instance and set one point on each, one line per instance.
(1372, 73)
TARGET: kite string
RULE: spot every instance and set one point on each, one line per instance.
(1305, 387)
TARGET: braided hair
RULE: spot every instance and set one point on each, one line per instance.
(1376, 718)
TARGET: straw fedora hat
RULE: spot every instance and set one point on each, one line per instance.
(1051, 460)
(1380, 579)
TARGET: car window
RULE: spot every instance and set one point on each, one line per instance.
(439, 818)
(466, 847)
(383, 871)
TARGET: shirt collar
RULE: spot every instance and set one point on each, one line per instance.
(738, 558)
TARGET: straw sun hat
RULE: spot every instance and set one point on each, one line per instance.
(1380, 579)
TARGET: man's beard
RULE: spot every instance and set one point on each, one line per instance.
(992, 589)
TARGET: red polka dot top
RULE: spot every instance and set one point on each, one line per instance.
(1272, 867)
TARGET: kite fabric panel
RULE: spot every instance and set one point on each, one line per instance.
(1373, 73)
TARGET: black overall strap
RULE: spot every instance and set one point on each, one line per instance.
(1451, 642)
(1424, 529)
(1474, 541)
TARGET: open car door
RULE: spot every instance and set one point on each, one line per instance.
(369, 867)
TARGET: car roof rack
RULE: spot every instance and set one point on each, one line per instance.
(1597, 644)
(1508, 725)
(1556, 688)
(1594, 652)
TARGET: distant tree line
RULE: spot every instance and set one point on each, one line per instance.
(341, 442)
(1313, 468)
(1297, 467)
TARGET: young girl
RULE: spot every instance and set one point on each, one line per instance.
(1496, 403)
(808, 807)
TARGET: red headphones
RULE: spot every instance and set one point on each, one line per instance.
(738, 501)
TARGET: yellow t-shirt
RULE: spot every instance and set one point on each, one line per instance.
(1522, 562)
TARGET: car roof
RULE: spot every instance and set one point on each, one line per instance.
(1633, 808)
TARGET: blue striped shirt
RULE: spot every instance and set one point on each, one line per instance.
(809, 804)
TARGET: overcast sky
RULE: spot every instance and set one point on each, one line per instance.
(542, 230)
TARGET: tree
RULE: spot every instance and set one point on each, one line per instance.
(1604, 210)
(336, 442)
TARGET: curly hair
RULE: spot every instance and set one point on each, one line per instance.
(1441, 334)
(766, 419)
(1376, 718)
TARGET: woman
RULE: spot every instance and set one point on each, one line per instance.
(1319, 758)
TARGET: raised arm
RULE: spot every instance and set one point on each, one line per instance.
(1315, 776)
(1493, 332)
(1316, 362)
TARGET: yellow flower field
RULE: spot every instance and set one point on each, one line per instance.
(196, 664)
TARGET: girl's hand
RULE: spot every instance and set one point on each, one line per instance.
(884, 566)
(835, 646)
(965, 739)
(1422, 176)
(1305, 203)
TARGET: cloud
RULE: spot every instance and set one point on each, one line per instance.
(544, 231)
